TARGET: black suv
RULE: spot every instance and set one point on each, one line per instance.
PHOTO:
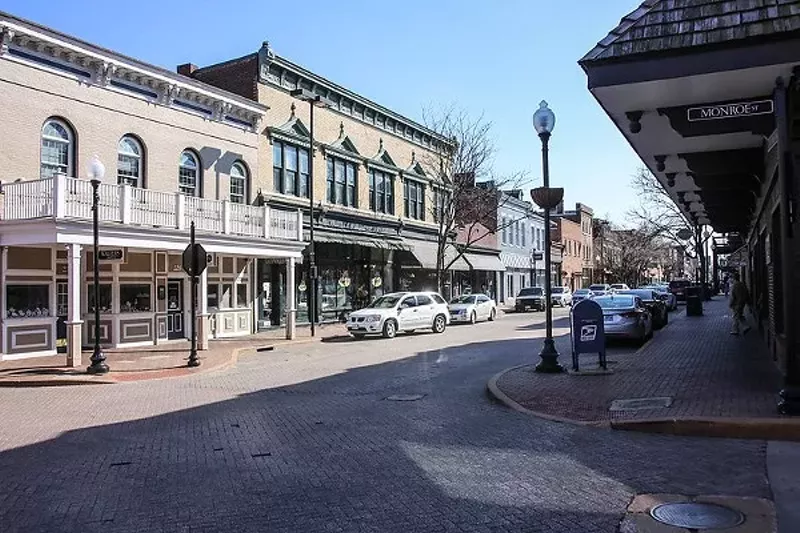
(678, 288)
(530, 298)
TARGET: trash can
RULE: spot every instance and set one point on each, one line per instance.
(694, 300)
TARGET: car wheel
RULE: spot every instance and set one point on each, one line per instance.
(473, 318)
(439, 324)
(390, 329)
(492, 315)
(359, 336)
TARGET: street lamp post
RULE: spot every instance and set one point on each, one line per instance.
(96, 172)
(544, 120)
(314, 100)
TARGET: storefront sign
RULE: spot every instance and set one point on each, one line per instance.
(735, 110)
(350, 225)
(111, 255)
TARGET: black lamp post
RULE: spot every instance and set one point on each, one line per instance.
(544, 120)
(314, 100)
(98, 359)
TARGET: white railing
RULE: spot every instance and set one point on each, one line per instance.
(62, 197)
(28, 199)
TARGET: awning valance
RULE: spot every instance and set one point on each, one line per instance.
(485, 262)
(426, 252)
(369, 242)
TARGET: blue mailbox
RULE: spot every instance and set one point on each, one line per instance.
(588, 332)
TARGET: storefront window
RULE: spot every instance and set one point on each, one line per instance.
(302, 296)
(241, 295)
(336, 294)
(212, 300)
(24, 301)
(105, 298)
(134, 298)
(225, 302)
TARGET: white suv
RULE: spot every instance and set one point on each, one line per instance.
(400, 311)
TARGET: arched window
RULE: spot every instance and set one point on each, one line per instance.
(58, 147)
(189, 174)
(238, 183)
(130, 170)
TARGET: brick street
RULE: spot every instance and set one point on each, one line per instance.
(304, 439)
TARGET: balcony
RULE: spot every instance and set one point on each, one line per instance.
(61, 197)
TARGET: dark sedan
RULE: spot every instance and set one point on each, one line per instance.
(678, 288)
(657, 307)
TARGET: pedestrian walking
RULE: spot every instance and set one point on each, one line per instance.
(727, 285)
(740, 297)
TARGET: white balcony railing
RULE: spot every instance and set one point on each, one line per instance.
(69, 198)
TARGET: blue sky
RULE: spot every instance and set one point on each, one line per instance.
(496, 58)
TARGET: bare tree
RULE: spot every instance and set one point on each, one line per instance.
(467, 202)
(658, 212)
(635, 252)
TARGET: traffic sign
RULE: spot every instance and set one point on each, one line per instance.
(194, 259)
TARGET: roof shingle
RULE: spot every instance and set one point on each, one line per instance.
(669, 25)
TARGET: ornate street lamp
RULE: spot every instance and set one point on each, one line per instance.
(314, 100)
(96, 172)
(544, 120)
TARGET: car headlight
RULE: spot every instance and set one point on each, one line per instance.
(372, 318)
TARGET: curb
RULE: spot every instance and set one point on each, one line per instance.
(503, 398)
(782, 429)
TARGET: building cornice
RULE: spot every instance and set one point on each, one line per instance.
(281, 73)
(22, 40)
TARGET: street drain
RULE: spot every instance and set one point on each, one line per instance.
(405, 397)
(695, 515)
(636, 404)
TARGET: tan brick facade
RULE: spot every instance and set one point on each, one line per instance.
(569, 234)
(99, 117)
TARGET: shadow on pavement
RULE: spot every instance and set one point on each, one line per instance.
(333, 454)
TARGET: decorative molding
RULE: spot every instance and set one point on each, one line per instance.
(104, 72)
(6, 36)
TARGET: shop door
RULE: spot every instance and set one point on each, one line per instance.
(62, 309)
(175, 309)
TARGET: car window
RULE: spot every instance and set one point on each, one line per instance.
(531, 291)
(483, 299)
(408, 301)
(424, 300)
(438, 299)
(464, 299)
(557, 290)
(385, 302)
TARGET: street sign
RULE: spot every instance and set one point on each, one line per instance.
(588, 331)
(538, 256)
(111, 255)
(194, 263)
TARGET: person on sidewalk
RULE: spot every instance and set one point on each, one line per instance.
(740, 297)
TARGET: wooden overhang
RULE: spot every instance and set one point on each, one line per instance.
(689, 84)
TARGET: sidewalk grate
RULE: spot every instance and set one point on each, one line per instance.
(638, 404)
(695, 515)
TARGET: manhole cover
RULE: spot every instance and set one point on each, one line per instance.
(696, 515)
(405, 397)
(636, 404)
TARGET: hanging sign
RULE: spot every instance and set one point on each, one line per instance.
(735, 110)
(377, 281)
(111, 255)
(344, 281)
(302, 287)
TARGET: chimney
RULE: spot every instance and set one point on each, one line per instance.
(187, 69)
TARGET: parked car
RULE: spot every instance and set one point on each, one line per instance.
(620, 287)
(625, 316)
(656, 306)
(678, 288)
(529, 298)
(581, 294)
(664, 295)
(600, 289)
(400, 311)
(471, 308)
(561, 296)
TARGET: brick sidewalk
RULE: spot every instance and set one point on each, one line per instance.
(148, 362)
(695, 361)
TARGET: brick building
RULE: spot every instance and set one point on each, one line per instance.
(574, 232)
(176, 150)
(375, 182)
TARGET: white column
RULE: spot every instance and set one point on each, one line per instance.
(3, 269)
(74, 290)
(226, 217)
(59, 195)
(267, 222)
(125, 196)
(180, 211)
(291, 304)
(203, 322)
